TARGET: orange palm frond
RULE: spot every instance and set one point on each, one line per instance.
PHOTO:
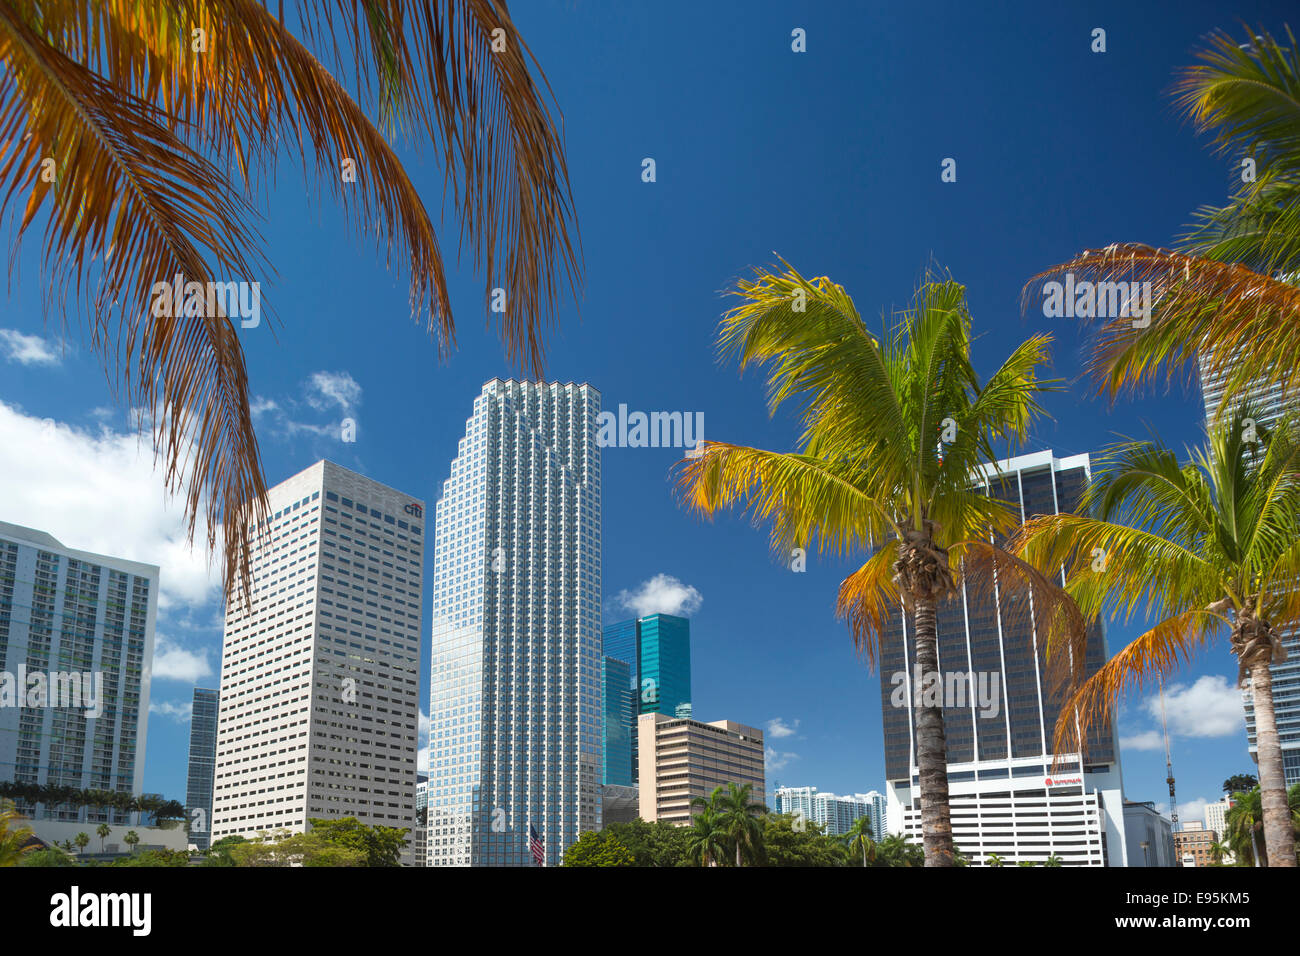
(1154, 654)
(868, 598)
(1233, 320)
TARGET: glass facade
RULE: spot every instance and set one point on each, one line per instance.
(616, 693)
(202, 766)
(516, 733)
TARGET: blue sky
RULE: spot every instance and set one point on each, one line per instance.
(828, 158)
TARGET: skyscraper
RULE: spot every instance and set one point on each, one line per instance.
(1005, 796)
(618, 720)
(657, 649)
(834, 814)
(320, 675)
(76, 645)
(515, 687)
(203, 759)
(1270, 403)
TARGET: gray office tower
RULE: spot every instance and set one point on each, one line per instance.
(1271, 404)
(1006, 797)
(203, 762)
(76, 644)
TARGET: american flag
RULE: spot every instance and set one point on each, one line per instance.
(535, 844)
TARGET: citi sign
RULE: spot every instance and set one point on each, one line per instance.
(414, 510)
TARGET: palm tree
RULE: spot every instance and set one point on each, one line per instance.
(126, 130)
(736, 814)
(81, 840)
(16, 838)
(102, 831)
(131, 839)
(706, 842)
(994, 859)
(1224, 299)
(894, 850)
(1243, 823)
(1218, 851)
(862, 837)
(1208, 545)
(1052, 860)
(894, 431)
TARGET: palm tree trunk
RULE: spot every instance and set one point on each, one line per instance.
(1279, 838)
(931, 745)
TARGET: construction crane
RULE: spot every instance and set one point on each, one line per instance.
(1169, 765)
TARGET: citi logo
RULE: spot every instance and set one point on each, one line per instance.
(76, 909)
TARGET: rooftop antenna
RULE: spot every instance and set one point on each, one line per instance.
(1169, 765)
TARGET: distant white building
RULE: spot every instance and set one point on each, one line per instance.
(835, 814)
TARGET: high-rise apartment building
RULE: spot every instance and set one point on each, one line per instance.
(515, 736)
(203, 760)
(683, 758)
(1270, 403)
(1216, 816)
(657, 650)
(320, 673)
(76, 644)
(877, 803)
(835, 815)
(1006, 796)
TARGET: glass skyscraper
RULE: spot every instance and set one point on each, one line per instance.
(657, 650)
(1006, 797)
(1271, 403)
(84, 624)
(620, 728)
(515, 737)
(203, 760)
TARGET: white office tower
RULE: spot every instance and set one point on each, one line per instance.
(320, 677)
(515, 688)
(76, 652)
(1008, 797)
(1270, 403)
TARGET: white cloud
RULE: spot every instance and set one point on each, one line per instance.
(327, 389)
(1193, 810)
(662, 594)
(1145, 740)
(777, 761)
(779, 728)
(28, 349)
(171, 662)
(177, 712)
(1211, 707)
(99, 491)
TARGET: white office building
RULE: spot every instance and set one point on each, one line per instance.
(76, 652)
(320, 676)
(1007, 798)
(515, 688)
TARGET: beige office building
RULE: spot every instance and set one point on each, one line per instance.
(680, 759)
(320, 678)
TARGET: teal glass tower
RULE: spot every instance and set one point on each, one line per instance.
(619, 721)
(657, 652)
